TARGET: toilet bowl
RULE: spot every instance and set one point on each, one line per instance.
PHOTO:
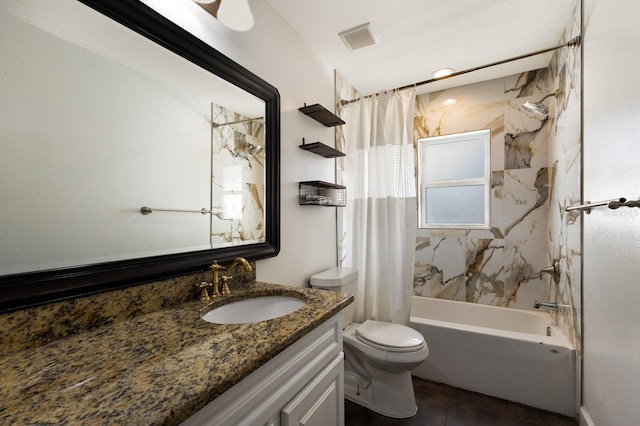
(377, 371)
(378, 355)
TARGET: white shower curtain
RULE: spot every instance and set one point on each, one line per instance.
(377, 228)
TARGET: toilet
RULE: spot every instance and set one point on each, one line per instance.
(378, 355)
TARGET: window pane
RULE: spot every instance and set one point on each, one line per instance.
(455, 160)
(455, 204)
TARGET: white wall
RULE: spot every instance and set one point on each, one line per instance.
(611, 237)
(273, 51)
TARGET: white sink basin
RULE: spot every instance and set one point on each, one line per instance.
(254, 309)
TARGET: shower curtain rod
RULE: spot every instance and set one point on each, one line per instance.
(573, 43)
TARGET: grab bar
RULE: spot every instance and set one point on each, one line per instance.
(148, 210)
(612, 204)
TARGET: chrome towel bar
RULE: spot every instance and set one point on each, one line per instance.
(612, 204)
(148, 210)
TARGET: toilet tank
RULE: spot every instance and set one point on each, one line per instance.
(341, 280)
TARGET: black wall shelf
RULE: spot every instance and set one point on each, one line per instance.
(321, 149)
(317, 192)
(321, 115)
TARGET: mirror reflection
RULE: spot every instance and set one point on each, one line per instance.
(238, 189)
(103, 122)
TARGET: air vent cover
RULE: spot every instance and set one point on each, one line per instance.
(358, 37)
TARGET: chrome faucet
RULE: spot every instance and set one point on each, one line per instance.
(216, 267)
(547, 305)
(553, 270)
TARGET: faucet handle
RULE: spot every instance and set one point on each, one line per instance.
(204, 294)
(553, 270)
(548, 270)
(225, 286)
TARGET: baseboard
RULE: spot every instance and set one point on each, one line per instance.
(585, 419)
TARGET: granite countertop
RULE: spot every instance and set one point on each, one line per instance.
(154, 369)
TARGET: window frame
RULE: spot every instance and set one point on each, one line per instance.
(424, 184)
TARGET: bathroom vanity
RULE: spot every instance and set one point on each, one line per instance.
(301, 385)
(169, 366)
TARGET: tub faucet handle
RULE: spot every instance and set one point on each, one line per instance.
(553, 270)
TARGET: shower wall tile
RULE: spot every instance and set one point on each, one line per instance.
(420, 118)
(422, 268)
(564, 233)
(498, 135)
(564, 227)
(237, 180)
(447, 271)
(524, 259)
(529, 83)
(485, 271)
(498, 199)
(499, 266)
(526, 134)
(567, 292)
(439, 268)
(525, 206)
(443, 233)
(478, 106)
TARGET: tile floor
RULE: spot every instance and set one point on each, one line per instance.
(441, 405)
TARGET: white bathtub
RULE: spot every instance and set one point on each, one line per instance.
(501, 352)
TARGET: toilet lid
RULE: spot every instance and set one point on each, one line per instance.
(391, 337)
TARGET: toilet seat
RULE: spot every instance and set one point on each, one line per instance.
(390, 337)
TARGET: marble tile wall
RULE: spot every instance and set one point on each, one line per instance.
(535, 164)
(238, 182)
(536, 179)
(565, 151)
(500, 266)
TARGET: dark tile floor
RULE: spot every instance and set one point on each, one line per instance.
(441, 405)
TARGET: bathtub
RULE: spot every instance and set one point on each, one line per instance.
(513, 354)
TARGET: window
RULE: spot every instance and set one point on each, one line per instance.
(454, 173)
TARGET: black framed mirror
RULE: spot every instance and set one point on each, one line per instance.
(86, 276)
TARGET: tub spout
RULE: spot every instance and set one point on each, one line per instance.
(547, 305)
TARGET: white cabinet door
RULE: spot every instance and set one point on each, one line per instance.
(321, 402)
(258, 399)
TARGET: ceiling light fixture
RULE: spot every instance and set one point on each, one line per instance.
(442, 72)
(449, 102)
(233, 14)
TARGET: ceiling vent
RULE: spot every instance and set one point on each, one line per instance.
(358, 37)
